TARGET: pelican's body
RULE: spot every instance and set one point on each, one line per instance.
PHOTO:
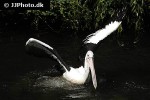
(80, 75)
(77, 75)
(74, 75)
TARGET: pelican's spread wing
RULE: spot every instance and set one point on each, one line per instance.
(109, 28)
(92, 40)
(39, 48)
(102, 33)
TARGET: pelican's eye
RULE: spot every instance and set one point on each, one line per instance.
(88, 55)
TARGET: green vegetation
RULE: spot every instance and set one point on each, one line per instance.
(77, 16)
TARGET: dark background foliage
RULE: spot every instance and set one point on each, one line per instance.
(79, 17)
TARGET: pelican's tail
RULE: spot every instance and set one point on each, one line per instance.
(38, 48)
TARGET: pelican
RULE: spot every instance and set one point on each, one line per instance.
(78, 75)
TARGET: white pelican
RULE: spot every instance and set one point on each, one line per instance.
(78, 75)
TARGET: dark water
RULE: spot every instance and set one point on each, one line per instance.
(122, 74)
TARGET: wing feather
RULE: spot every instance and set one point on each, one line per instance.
(102, 33)
(109, 28)
(39, 48)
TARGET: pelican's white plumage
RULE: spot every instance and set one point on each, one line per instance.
(79, 75)
(102, 33)
(76, 75)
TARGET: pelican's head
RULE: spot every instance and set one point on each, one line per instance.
(90, 63)
(89, 54)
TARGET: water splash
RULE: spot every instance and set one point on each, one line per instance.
(56, 82)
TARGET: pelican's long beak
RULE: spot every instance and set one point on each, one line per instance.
(91, 65)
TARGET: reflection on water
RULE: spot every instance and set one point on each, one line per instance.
(56, 82)
(54, 87)
(35, 86)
